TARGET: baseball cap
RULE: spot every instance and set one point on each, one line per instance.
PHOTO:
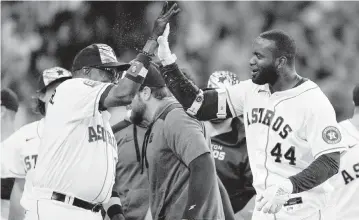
(154, 77)
(356, 95)
(9, 100)
(51, 76)
(98, 55)
(222, 79)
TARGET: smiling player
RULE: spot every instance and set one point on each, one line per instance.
(293, 138)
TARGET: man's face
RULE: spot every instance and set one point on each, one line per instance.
(262, 62)
(138, 109)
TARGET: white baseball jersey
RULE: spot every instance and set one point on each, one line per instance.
(19, 155)
(345, 197)
(285, 132)
(78, 151)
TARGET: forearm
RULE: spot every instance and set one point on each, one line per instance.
(202, 107)
(316, 173)
(182, 88)
(119, 126)
(201, 168)
(123, 93)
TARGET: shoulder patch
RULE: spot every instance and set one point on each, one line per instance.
(91, 83)
(331, 135)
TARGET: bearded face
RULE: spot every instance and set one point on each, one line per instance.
(262, 62)
(138, 109)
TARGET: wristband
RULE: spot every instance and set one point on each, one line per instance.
(114, 205)
(137, 72)
(150, 47)
(222, 102)
(169, 60)
(196, 105)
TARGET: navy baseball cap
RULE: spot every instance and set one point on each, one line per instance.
(51, 76)
(154, 77)
(9, 100)
(98, 55)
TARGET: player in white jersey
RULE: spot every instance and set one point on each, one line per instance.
(9, 107)
(20, 150)
(345, 197)
(75, 169)
(293, 139)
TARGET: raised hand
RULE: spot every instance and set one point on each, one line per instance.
(164, 17)
(164, 52)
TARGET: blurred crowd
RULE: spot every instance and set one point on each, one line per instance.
(206, 36)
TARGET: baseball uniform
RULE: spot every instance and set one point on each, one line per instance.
(131, 185)
(285, 132)
(10, 102)
(344, 198)
(19, 156)
(77, 154)
(20, 152)
(173, 142)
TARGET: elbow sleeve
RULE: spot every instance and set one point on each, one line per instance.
(321, 169)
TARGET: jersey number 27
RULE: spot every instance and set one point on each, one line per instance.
(289, 155)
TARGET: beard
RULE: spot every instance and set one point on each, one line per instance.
(266, 75)
(137, 113)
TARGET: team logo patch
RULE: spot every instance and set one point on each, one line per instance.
(331, 135)
(199, 99)
(133, 69)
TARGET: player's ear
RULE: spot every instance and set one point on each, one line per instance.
(281, 62)
(86, 71)
(146, 93)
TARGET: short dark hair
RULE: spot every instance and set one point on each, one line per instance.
(161, 93)
(284, 43)
(356, 95)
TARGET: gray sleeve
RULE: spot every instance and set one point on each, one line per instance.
(185, 136)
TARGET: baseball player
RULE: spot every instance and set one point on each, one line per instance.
(75, 168)
(20, 150)
(344, 198)
(9, 106)
(229, 150)
(293, 139)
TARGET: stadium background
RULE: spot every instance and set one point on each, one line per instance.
(205, 36)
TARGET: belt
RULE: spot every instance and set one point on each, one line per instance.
(76, 202)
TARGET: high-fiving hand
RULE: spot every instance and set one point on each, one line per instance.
(164, 17)
(164, 52)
